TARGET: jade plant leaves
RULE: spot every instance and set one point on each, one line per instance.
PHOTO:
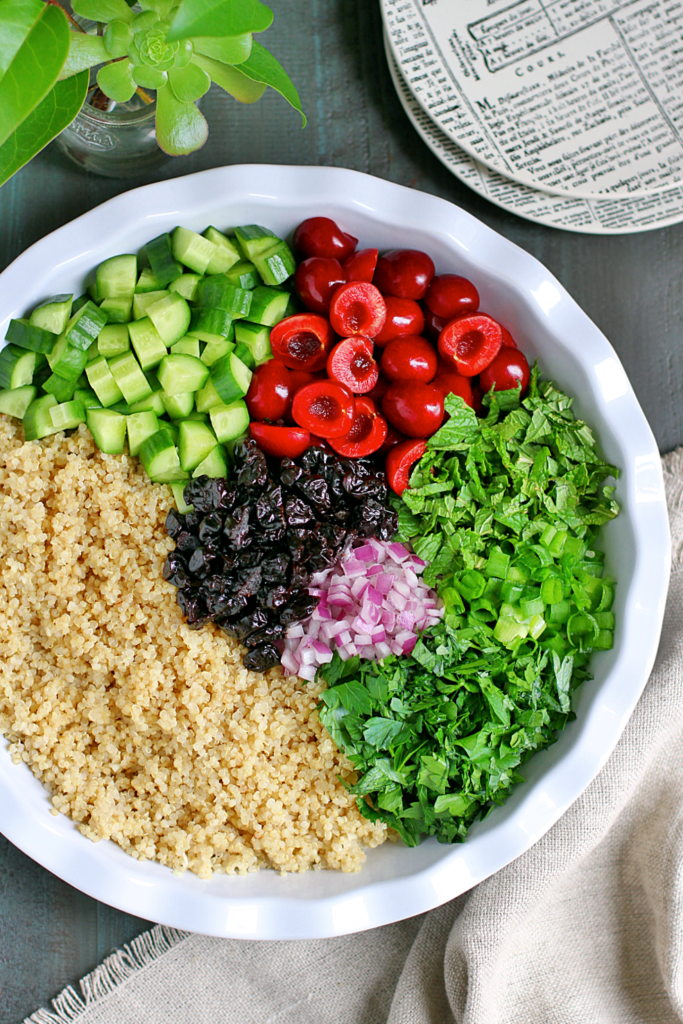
(43, 124)
(231, 79)
(18, 18)
(263, 67)
(190, 83)
(181, 128)
(34, 69)
(84, 52)
(116, 80)
(219, 18)
(103, 10)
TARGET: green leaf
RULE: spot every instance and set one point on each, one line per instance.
(104, 10)
(34, 69)
(84, 52)
(17, 19)
(116, 80)
(228, 49)
(381, 732)
(219, 18)
(49, 118)
(231, 79)
(455, 804)
(181, 128)
(150, 78)
(263, 67)
(434, 773)
(190, 83)
(354, 696)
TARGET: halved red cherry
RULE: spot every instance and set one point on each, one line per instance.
(508, 340)
(471, 343)
(320, 236)
(450, 295)
(379, 391)
(508, 370)
(409, 358)
(357, 308)
(400, 461)
(433, 324)
(280, 442)
(454, 384)
(404, 316)
(393, 438)
(414, 408)
(316, 280)
(302, 341)
(360, 266)
(351, 363)
(325, 408)
(367, 432)
(269, 395)
(406, 273)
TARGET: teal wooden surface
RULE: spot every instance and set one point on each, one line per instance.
(50, 935)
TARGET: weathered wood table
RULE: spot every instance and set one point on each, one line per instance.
(632, 287)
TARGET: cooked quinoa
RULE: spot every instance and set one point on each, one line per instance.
(142, 730)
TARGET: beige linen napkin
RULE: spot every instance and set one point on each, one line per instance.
(585, 928)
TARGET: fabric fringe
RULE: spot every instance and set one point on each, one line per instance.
(105, 979)
(672, 464)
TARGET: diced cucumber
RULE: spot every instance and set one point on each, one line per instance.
(16, 402)
(121, 407)
(207, 398)
(254, 240)
(117, 276)
(92, 292)
(202, 417)
(17, 366)
(171, 317)
(118, 310)
(87, 398)
(67, 415)
(217, 292)
(211, 323)
(113, 340)
(63, 390)
(108, 429)
(195, 441)
(153, 403)
(28, 336)
(66, 360)
(227, 254)
(142, 302)
(214, 350)
(244, 353)
(78, 304)
(147, 282)
(214, 465)
(186, 285)
(244, 275)
(231, 378)
(268, 306)
(292, 307)
(229, 421)
(102, 382)
(41, 374)
(53, 314)
(164, 266)
(172, 429)
(275, 265)
(37, 421)
(178, 406)
(140, 426)
(178, 488)
(160, 458)
(187, 346)
(178, 374)
(257, 338)
(147, 343)
(84, 326)
(192, 250)
(129, 377)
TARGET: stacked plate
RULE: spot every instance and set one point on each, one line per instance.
(566, 112)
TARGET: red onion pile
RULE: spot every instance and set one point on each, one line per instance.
(372, 604)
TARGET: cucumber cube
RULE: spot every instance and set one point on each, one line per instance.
(231, 378)
(244, 353)
(76, 305)
(153, 403)
(84, 326)
(275, 265)
(178, 488)
(113, 340)
(16, 402)
(102, 382)
(63, 390)
(195, 441)
(227, 254)
(186, 285)
(244, 275)
(217, 292)
(67, 415)
(53, 315)
(253, 240)
(268, 306)
(160, 458)
(23, 334)
(192, 250)
(17, 366)
(214, 465)
(211, 325)
(147, 282)
(142, 302)
(92, 292)
(180, 373)
(67, 361)
(229, 421)
(87, 398)
(129, 377)
(37, 421)
(207, 398)
(214, 350)
(147, 343)
(108, 429)
(178, 406)
(164, 267)
(118, 310)
(187, 346)
(116, 277)
(171, 317)
(257, 338)
(140, 426)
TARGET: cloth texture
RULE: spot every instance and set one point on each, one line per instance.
(584, 928)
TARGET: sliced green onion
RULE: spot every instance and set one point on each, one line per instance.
(511, 592)
(551, 590)
(558, 543)
(536, 626)
(560, 612)
(604, 641)
(471, 584)
(533, 606)
(452, 600)
(498, 564)
(507, 631)
(605, 620)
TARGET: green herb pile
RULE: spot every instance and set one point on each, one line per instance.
(506, 510)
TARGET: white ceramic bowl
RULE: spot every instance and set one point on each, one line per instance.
(395, 882)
